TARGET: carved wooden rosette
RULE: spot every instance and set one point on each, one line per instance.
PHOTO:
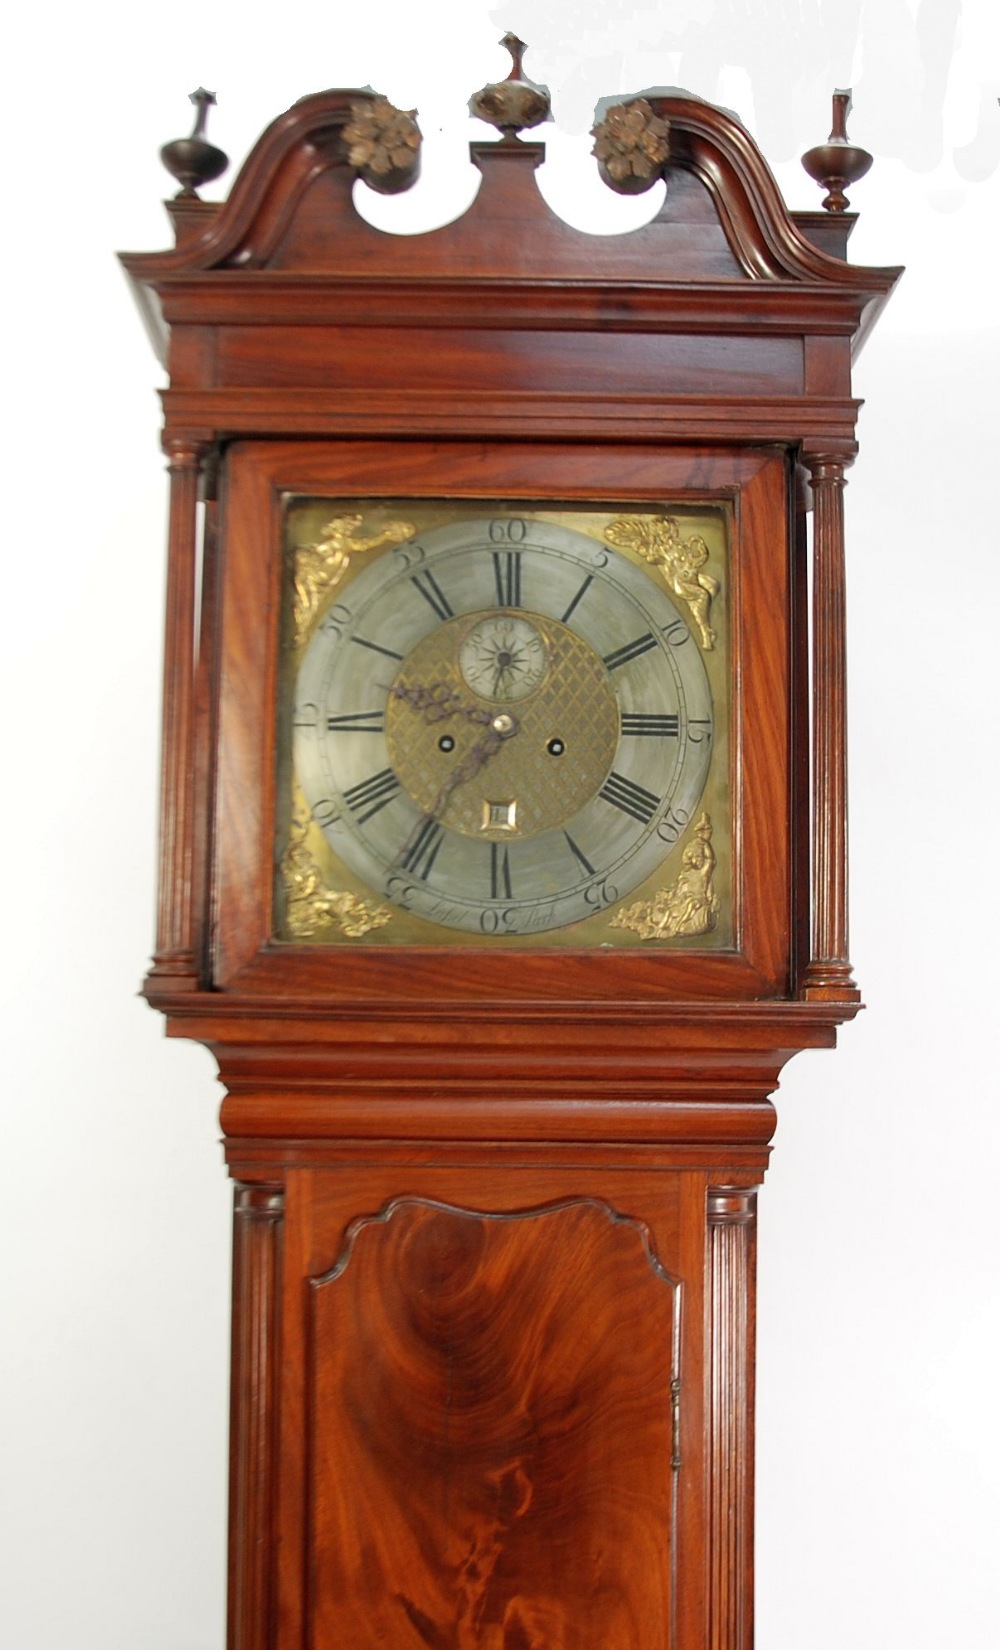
(632, 146)
(255, 1376)
(731, 1266)
(829, 972)
(383, 144)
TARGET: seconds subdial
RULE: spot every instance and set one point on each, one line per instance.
(503, 657)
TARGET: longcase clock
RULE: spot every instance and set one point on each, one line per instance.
(503, 851)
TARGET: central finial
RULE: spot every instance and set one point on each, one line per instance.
(513, 104)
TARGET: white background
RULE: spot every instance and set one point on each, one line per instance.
(878, 1462)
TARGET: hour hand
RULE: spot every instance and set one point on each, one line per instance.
(438, 702)
(501, 726)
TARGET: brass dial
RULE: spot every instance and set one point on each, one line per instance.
(503, 725)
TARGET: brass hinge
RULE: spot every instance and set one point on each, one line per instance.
(675, 1428)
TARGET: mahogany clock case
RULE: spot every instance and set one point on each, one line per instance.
(754, 487)
(493, 1326)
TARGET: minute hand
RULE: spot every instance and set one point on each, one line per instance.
(501, 727)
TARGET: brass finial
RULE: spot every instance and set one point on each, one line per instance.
(194, 161)
(837, 162)
(632, 145)
(513, 104)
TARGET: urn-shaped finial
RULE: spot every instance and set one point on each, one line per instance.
(513, 104)
(837, 162)
(194, 161)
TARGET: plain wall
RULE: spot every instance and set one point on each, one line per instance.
(878, 1461)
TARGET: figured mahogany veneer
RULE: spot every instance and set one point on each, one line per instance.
(494, 1246)
(539, 1462)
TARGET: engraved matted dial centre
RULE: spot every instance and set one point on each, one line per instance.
(502, 725)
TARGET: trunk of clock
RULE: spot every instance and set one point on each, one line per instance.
(493, 1397)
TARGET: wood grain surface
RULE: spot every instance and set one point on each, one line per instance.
(499, 1473)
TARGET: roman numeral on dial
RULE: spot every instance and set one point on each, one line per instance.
(500, 883)
(372, 794)
(640, 725)
(357, 721)
(585, 586)
(423, 850)
(629, 798)
(432, 593)
(376, 647)
(631, 650)
(579, 855)
(507, 574)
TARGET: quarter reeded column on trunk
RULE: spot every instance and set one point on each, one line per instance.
(175, 963)
(828, 976)
(732, 1322)
(257, 1243)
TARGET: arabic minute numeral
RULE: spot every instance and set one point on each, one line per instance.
(337, 620)
(400, 891)
(508, 530)
(492, 921)
(600, 893)
(672, 824)
(325, 813)
(410, 553)
(676, 633)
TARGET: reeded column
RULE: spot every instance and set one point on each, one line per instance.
(828, 975)
(175, 957)
(732, 1322)
(257, 1233)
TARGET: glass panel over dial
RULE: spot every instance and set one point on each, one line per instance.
(504, 724)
